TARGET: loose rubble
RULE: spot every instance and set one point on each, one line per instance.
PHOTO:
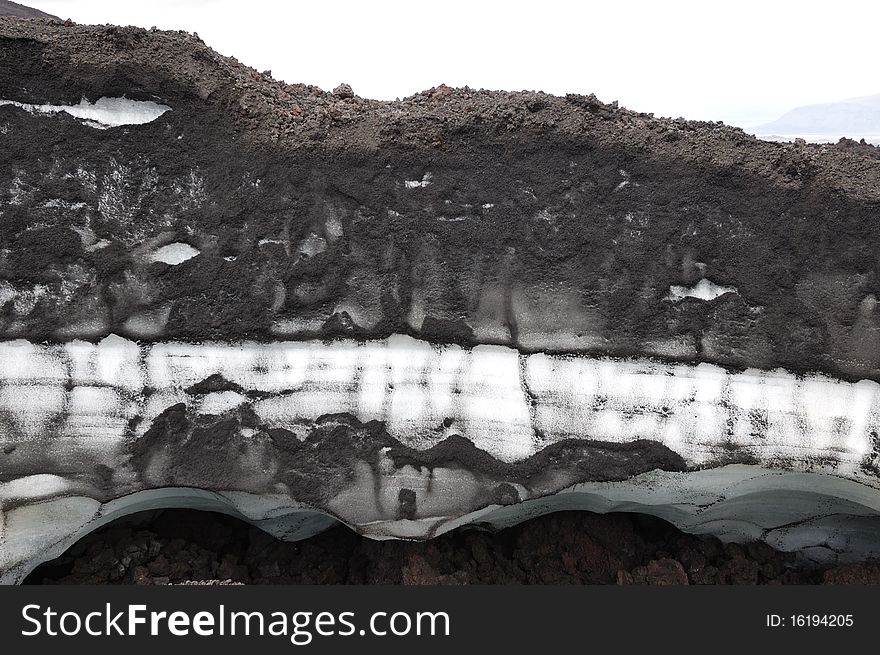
(184, 547)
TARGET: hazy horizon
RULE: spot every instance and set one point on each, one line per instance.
(745, 64)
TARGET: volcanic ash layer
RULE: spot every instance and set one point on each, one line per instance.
(222, 291)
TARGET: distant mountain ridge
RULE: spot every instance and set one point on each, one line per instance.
(21, 11)
(854, 117)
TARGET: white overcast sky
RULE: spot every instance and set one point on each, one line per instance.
(742, 62)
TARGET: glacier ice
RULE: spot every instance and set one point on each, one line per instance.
(104, 113)
(703, 290)
(174, 253)
(760, 450)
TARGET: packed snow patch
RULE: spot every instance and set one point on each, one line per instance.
(174, 253)
(415, 184)
(703, 290)
(103, 114)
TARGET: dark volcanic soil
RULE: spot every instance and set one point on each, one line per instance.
(455, 215)
(180, 546)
